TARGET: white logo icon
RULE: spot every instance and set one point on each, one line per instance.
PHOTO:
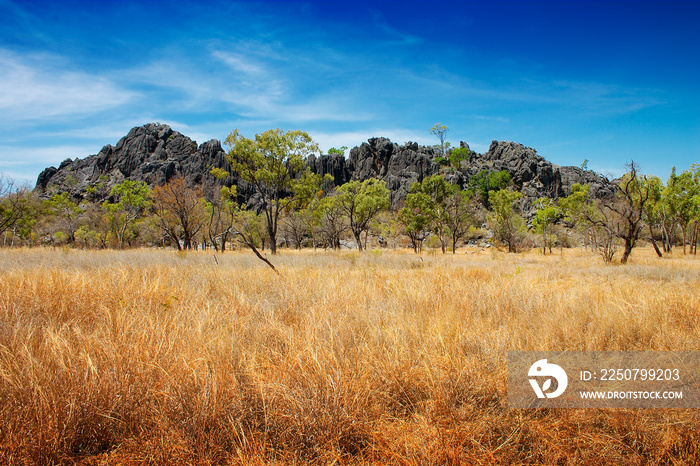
(543, 369)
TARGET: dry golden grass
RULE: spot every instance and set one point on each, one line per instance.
(154, 357)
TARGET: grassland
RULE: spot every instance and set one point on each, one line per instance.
(154, 357)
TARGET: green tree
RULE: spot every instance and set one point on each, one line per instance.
(681, 197)
(330, 221)
(457, 156)
(547, 212)
(219, 205)
(32, 210)
(417, 216)
(361, 201)
(66, 213)
(340, 151)
(298, 219)
(131, 200)
(271, 164)
(576, 209)
(439, 130)
(480, 184)
(439, 191)
(459, 215)
(507, 224)
(652, 209)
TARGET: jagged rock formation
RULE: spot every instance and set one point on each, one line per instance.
(399, 166)
(154, 153)
(532, 174)
(331, 164)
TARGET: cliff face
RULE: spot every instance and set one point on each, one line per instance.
(154, 153)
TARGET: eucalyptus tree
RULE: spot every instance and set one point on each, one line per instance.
(439, 130)
(271, 163)
(129, 202)
(417, 216)
(546, 214)
(360, 202)
(508, 225)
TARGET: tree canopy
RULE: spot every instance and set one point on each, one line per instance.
(271, 163)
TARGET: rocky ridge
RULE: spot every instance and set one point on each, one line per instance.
(155, 153)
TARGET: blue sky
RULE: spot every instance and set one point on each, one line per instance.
(604, 81)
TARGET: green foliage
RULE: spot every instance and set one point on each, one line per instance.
(361, 202)
(309, 187)
(480, 184)
(417, 217)
(340, 151)
(507, 225)
(573, 205)
(132, 199)
(681, 199)
(435, 206)
(271, 163)
(547, 212)
(66, 212)
(440, 130)
(457, 156)
(218, 173)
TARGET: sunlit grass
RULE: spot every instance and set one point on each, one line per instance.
(379, 358)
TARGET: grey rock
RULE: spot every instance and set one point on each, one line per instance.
(152, 153)
(398, 166)
(155, 153)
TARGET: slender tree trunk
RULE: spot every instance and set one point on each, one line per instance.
(273, 239)
(544, 241)
(685, 236)
(653, 242)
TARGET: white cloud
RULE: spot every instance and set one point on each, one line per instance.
(239, 63)
(38, 87)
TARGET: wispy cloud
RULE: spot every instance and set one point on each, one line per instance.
(39, 87)
(240, 63)
(394, 36)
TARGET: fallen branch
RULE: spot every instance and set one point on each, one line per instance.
(247, 241)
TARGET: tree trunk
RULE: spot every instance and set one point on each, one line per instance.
(273, 239)
(358, 239)
(653, 242)
(685, 233)
(628, 250)
(544, 241)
